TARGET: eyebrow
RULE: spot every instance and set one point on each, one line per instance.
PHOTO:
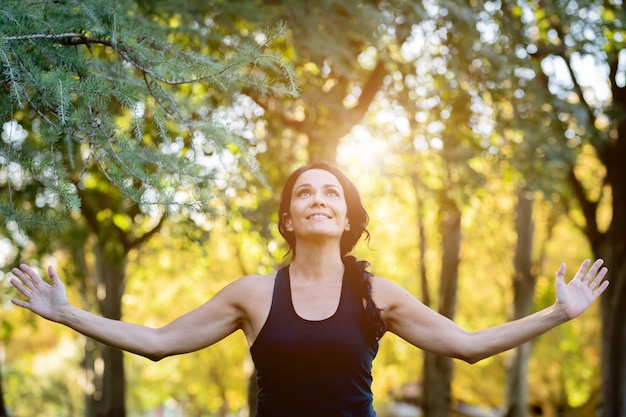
(336, 186)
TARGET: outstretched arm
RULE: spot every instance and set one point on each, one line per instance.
(426, 329)
(199, 328)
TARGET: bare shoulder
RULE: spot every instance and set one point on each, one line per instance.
(252, 295)
(396, 303)
(256, 283)
(386, 293)
(250, 288)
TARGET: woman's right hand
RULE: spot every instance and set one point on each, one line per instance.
(46, 300)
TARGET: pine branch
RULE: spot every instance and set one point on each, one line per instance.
(44, 36)
(81, 70)
(32, 221)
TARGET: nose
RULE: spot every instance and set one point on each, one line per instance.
(318, 199)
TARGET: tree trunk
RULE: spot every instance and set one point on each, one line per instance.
(612, 248)
(110, 271)
(613, 251)
(614, 340)
(421, 233)
(94, 390)
(436, 386)
(614, 320)
(438, 369)
(112, 403)
(523, 290)
(3, 410)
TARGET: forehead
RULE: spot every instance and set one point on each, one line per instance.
(317, 177)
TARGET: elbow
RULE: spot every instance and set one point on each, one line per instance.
(465, 355)
(155, 358)
(153, 355)
(153, 347)
(475, 352)
(470, 350)
(471, 359)
(468, 356)
(160, 346)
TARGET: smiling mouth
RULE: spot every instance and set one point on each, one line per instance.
(318, 216)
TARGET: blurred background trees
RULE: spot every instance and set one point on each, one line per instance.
(145, 143)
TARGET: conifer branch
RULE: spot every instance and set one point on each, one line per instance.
(82, 84)
(43, 36)
(77, 38)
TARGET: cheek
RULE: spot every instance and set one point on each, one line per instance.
(297, 206)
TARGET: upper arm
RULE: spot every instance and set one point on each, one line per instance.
(209, 323)
(407, 317)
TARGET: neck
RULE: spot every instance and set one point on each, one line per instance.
(317, 261)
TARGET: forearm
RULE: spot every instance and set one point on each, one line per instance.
(488, 342)
(195, 330)
(130, 337)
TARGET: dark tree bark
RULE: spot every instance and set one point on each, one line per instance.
(112, 402)
(438, 369)
(3, 410)
(612, 247)
(523, 290)
(607, 242)
(110, 252)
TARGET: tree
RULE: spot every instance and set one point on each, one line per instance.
(3, 411)
(563, 134)
(523, 291)
(586, 124)
(100, 120)
(76, 66)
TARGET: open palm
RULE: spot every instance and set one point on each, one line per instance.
(577, 295)
(43, 298)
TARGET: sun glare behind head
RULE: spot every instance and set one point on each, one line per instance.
(360, 152)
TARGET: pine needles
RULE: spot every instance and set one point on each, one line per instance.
(105, 92)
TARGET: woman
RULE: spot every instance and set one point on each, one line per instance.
(313, 327)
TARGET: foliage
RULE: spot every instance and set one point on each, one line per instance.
(71, 68)
(169, 277)
(119, 119)
(463, 105)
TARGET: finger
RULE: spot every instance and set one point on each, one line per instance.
(21, 287)
(53, 276)
(591, 274)
(34, 276)
(20, 303)
(24, 279)
(603, 286)
(582, 270)
(598, 279)
(560, 274)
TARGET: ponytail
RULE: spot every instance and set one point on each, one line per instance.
(359, 273)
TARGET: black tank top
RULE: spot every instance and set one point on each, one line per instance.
(315, 368)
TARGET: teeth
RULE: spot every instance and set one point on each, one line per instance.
(318, 216)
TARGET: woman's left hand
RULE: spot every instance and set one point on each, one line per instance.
(577, 295)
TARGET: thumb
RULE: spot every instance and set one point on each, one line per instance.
(560, 275)
(54, 277)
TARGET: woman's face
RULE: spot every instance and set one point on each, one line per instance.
(318, 206)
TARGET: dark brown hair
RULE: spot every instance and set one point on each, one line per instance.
(358, 218)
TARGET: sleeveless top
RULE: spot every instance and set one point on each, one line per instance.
(315, 368)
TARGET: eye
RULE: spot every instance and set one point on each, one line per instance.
(332, 192)
(305, 192)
